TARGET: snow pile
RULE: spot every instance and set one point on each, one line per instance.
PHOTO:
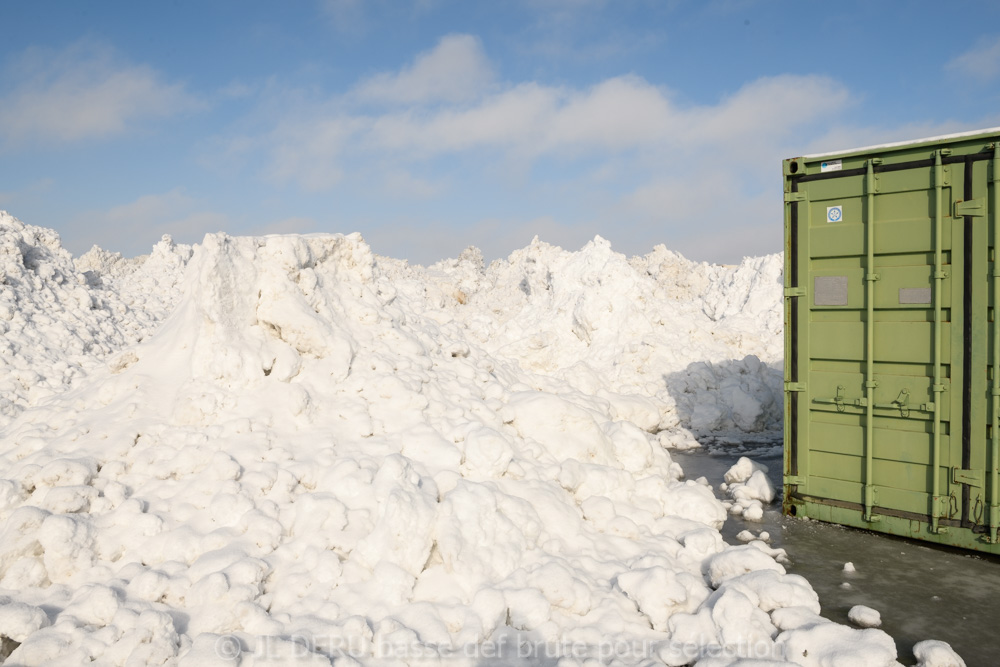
(57, 322)
(669, 356)
(680, 358)
(747, 484)
(321, 455)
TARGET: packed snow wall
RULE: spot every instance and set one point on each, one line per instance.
(324, 455)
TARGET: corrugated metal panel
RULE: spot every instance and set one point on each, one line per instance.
(892, 370)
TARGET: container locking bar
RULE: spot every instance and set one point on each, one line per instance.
(937, 387)
(994, 491)
(840, 401)
(870, 384)
(902, 403)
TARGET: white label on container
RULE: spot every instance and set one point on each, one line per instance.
(831, 165)
(834, 213)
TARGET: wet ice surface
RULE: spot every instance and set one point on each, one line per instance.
(922, 590)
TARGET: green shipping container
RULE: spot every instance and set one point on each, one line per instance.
(892, 349)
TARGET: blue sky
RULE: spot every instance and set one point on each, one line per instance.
(432, 125)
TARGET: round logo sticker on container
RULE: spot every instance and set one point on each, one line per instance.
(834, 213)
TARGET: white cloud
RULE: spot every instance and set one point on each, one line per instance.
(980, 62)
(513, 119)
(311, 153)
(83, 92)
(456, 70)
(640, 165)
(618, 114)
(765, 109)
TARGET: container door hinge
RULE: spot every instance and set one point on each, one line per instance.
(794, 480)
(795, 386)
(795, 291)
(969, 477)
(972, 207)
(871, 500)
(795, 196)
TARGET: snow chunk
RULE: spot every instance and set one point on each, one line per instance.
(737, 561)
(19, 620)
(934, 653)
(750, 489)
(826, 643)
(864, 617)
(660, 593)
(742, 470)
(772, 590)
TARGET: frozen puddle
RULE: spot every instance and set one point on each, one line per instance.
(920, 590)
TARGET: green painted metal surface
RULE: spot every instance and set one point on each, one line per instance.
(892, 353)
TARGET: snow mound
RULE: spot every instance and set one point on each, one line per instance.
(56, 322)
(300, 446)
(323, 456)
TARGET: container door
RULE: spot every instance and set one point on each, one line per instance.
(881, 338)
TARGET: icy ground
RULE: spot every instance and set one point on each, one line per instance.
(288, 450)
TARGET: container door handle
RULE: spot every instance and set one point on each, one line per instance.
(840, 401)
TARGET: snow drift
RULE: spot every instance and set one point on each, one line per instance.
(321, 454)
